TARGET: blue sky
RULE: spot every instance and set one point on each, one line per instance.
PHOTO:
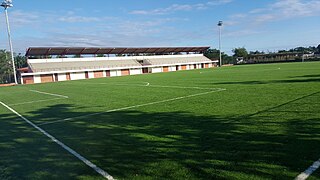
(266, 25)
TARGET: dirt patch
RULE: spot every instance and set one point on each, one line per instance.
(6, 85)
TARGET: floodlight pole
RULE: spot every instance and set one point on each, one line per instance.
(220, 23)
(6, 4)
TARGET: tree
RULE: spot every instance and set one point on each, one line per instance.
(240, 52)
(212, 54)
(101, 55)
(282, 51)
(6, 75)
(20, 61)
(318, 49)
(256, 52)
(6, 71)
(226, 59)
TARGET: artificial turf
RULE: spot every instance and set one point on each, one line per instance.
(265, 125)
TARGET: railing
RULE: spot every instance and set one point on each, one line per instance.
(84, 67)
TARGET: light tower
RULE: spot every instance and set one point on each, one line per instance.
(220, 23)
(7, 4)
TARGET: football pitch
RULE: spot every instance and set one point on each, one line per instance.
(239, 122)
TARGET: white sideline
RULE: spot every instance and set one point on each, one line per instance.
(58, 95)
(135, 106)
(71, 151)
(309, 171)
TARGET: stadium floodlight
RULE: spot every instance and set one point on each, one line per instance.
(220, 23)
(7, 4)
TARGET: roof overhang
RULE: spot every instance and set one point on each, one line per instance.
(62, 51)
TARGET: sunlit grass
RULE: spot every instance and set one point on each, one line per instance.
(265, 125)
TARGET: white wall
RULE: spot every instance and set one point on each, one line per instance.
(37, 79)
(172, 68)
(115, 73)
(77, 75)
(179, 68)
(135, 71)
(191, 66)
(157, 70)
(90, 74)
(62, 77)
(119, 72)
(104, 73)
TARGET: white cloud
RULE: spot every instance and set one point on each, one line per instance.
(236, 16)
(20, 18)
(278, 11)
(259, 10)
(218, 2)
(292, 8)
(170, 9)
(287, 9)
(250, 23)
(257, 24)
(180, 7)
(230, 23)
(77, 19)
(243, 32)
(67, 29)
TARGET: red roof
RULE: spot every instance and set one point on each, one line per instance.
(25, 69)
(46, 51)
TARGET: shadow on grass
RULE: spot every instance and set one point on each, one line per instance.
(166, 145)
(25, 153)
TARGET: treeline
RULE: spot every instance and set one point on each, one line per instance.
(243, 53)
(6, 70)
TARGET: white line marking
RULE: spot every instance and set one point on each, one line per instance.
(71, 151)
(309, 171)
(131, 107)
(30, 102)
(58, 95)
(159, 86)
(183, 87)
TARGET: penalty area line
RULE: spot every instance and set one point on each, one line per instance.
(156, 86)
(67, 148)
(31, 102)
(43, 100)
(131, 107)
(57, 95)
(309, 171)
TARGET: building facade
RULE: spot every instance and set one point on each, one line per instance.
(43, 70)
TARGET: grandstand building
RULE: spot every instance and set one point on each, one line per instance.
(63, 64)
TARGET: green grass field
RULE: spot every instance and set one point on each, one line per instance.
(241, 122)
